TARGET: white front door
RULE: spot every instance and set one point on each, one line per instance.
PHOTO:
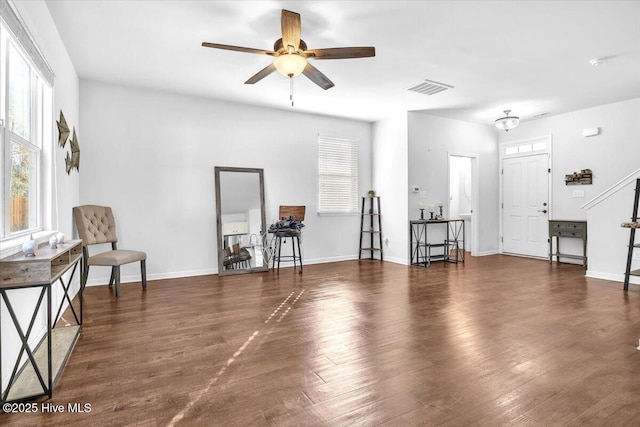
(525, 213)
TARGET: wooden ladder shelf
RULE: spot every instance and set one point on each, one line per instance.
(633, 225)
(373, 228)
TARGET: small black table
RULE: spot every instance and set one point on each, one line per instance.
(420, 247)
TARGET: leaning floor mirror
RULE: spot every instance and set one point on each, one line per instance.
(240, 219)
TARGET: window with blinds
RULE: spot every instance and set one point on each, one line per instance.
(337, 175)
(25, 127)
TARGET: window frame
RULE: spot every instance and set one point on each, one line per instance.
(7, 137)
(353, 159)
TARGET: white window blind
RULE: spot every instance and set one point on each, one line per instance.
(24, 38)
(338, 175)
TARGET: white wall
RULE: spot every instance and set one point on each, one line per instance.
(608, 241)
(431, 139)
(150, 155)
(390, 183)
(63, 192)
(611, 156)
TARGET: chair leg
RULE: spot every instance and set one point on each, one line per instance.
(279, 250)
(143, 272)
(117, 276)
(85, 275)
(299, 253)
(293, 249)
(113, 272)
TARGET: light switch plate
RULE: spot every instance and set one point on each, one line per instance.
(578, 193)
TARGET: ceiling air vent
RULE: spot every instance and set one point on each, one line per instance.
(429, 87)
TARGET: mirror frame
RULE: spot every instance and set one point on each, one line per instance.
(221, 253)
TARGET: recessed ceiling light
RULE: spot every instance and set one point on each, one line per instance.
(596, 61)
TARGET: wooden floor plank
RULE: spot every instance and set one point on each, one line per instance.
(496, 341)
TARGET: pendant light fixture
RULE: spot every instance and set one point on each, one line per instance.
(507, 122)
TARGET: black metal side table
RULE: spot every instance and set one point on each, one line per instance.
(422, 248)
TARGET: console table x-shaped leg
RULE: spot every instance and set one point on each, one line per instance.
(37, 375)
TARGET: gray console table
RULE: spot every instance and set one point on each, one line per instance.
(571, 229)
(44, 362)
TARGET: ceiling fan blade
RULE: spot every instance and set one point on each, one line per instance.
(261, 74)
(341, 52)
(238, 48)
(317, 77)
(290, 29)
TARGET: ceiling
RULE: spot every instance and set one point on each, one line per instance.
(529, 56)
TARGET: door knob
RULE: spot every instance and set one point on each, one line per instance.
(543, 211)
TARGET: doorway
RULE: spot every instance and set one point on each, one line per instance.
(525, 205)
(462, 200)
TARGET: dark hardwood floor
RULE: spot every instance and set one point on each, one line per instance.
(497, 341)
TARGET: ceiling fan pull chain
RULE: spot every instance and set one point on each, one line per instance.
(291, 90)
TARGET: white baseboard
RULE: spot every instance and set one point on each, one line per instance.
(354, 258)
(486, 253)
(156, 276)
(396, 260)
(322, 260)
(100, 281)
(614, 277)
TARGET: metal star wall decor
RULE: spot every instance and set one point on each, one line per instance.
(73, 161)
(63, 130)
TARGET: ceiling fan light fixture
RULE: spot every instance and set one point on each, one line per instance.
(290, 54)
(290, 64)
(507, 122)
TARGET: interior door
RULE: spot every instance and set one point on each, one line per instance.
(525, 213)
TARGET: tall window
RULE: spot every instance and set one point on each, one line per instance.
(338, 175)
(22, 97)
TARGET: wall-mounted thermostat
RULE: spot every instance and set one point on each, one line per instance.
(415, 189)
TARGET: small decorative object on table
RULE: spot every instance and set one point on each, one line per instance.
(431, 211)
(421, 207)
(60, 238)
(53, 242)
(440, 216)
(29, 247)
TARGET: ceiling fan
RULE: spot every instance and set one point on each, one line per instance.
(291, 54)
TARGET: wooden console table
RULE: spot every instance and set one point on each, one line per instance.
(44, 362)
(572, 229)
(420, 247)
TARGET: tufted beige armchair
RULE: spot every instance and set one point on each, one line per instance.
(96, 225)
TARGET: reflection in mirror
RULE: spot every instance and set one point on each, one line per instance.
(240, 219)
